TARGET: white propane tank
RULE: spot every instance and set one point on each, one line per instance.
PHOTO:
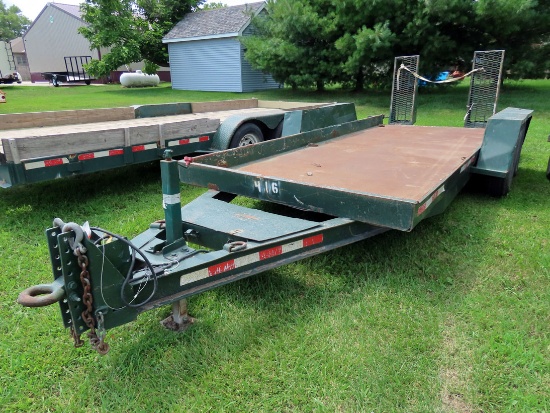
(138, 79)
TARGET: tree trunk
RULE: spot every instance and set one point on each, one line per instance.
(359, 81)
(320, 86)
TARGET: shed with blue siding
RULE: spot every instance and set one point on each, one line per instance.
(206, 54)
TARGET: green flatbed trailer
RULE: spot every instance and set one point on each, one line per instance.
(42, 146)
(349, 182)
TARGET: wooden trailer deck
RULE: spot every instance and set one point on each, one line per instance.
(400, 162)
(63, 139)
(391, 175)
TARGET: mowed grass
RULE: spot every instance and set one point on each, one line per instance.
(452, 317)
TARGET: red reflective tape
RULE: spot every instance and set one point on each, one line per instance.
(53, 162)
(221, 268)
(422, 209)
(204, 139)
(184, 141)
(270, 253)
(86, 156)
(138, 148)
(115, 152)
(316, 239)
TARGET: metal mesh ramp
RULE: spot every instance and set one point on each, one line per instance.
(484, 87)
(404, 91)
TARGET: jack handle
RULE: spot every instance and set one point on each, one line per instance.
(43, 294)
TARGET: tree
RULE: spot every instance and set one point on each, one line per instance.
(12, 23)
(374, 32)
(522, 28)
(354, 41)
(132, 29)
(212, 6)
(295, 42)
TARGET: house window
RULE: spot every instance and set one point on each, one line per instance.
(22, 60)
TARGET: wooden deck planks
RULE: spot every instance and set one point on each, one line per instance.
(402, 162)
(68, 139)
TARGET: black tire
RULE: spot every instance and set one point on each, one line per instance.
(247, 134)
(548, 170)
(499, 187)
(517, 156)
(88, 82)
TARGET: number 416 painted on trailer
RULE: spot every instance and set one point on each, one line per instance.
(267, 187)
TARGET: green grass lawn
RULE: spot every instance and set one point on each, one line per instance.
(452, 317)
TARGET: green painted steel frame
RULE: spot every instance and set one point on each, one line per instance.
(504, 136)
(502, 144)
(187, 271)
(107, 264)
(197, 273)
(306, 120)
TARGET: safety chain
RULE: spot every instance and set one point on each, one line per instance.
(76, 337)
(96, 340)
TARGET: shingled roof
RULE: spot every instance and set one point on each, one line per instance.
(216, 23)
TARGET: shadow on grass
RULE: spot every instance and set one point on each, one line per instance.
(82, 188)
(526, 191)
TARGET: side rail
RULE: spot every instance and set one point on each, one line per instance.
(500, 152)
(34, 159)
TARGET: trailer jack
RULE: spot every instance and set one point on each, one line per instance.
(179, 320)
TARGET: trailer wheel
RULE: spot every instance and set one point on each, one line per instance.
(247, 134)
(499, 187)
(88, 82)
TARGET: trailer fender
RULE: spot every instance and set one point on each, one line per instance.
(499, 155)
(161, 109)
(266, 123)
(306, 120)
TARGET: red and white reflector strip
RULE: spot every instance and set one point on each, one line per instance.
(100, 154)
(430, 200)
(187, 141)
(46, 163)
(139, 148)
(256, 257)
(470, 162)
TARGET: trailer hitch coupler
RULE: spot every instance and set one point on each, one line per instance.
(43, 294)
